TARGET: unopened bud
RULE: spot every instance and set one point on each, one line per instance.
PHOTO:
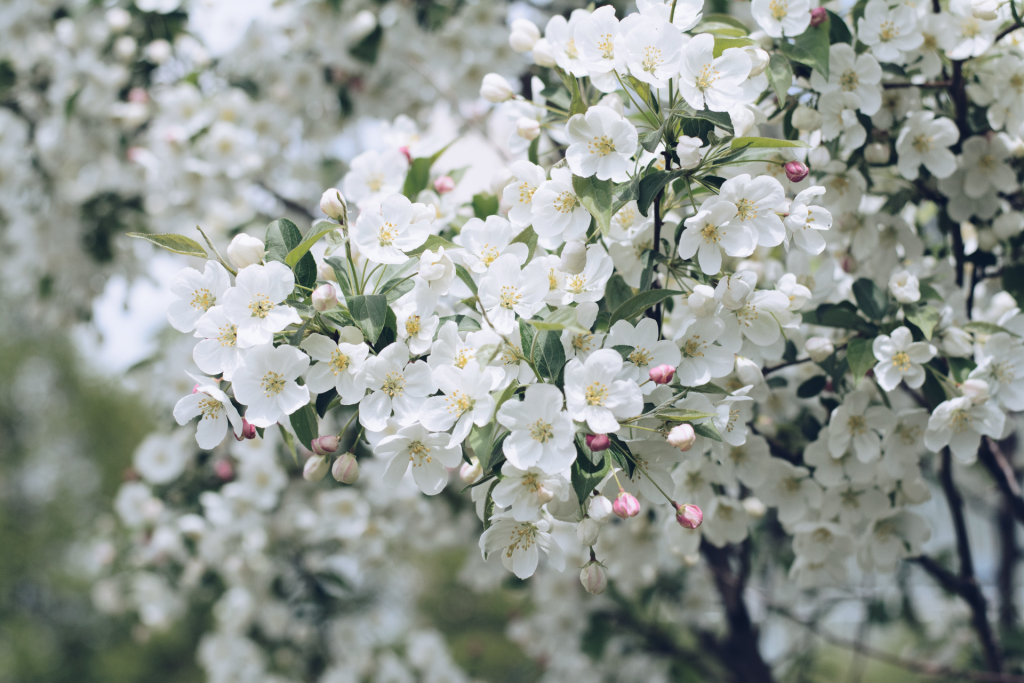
(346, 469)
(496, 89)
(689, 516)
(527, 128)
(587, 531)
(758, 60)
(877, 153)
(333, 204)
(246, 250)
(977, 390)
(690, 152)
(574, 258)
(819, 348)
(471, 471)
(524, 35)
(818, 16)
(315, 468)
(195, 389)
(598, 442)
(796, 171)
(626, 505)
(248, 431)
(224, 469)
(543, 54)
(806, 118)
(985, 10)
(754, 507)
(682, 437)
(662, 374)
(904, 287)
(444, 184)
(327, 273)
(594, 578)
(599, 509)
(406, 153)
(324, 298)
(702, 301)
(324, 445)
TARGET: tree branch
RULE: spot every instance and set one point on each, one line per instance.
(995, 461)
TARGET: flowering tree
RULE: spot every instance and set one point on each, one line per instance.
(747, 339)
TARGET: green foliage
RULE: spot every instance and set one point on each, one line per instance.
(872, 300)
(304, 423)
(370, 312)
(179, 244)
(366, 50)
(282, 237)
(780, 76)
(484, 205)
(596, 196)
(315, 234)
(640, 303)
(860, 357)
(810, 48)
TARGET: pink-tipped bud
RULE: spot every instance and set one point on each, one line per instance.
(324, 445)
(195, 389)
(682, 437)
(796, 171)
(599, 509)
(324, 298)
(662, 374)
(444, 184)
(224, 469)
(594, 578)
(470, 471)
(689, 516)
(405, 151)
(248, 431)
(598, 442)
(818, 16)
(626, 505)
(315, 468)
(346, 469)
(587, 531)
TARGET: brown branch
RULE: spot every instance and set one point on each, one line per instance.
(788, 364)
(289, 204)
(1009, 554)
(995, 461)
(937, 84)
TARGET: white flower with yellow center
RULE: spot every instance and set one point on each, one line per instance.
(385, 231)
(426, 454)
(1001, 364)
(684, 14)
(466, 400)
(214, 410)
(712, 81)
(589, 285)
(985, 165)
(595, 395)
(889, 32)
(541, 431)
(218, 353)
(395, 384)
(266, 383)
(627, 255)
(518, 543)
(714, 230)
(790, 489)
(757, 202)
(197, 293)
(598, 39)
(416, 319)
(582, 344)
(780, 18)
(601, 143)
(854, 424)
(253, 305)
(518, 194)
(374, 175)
(960, 423)
(654, 50)
(526, 490)
(701, 359)
(900, 358)
(925, 139)
(506, 291)
(967, 35)
(338, 366)
(484, 242)
(806, 222)
(559, 34)
(558, 215)
(852, 73)
(645, 351)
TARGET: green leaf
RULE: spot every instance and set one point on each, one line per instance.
(433, 243)
(684, 415)
(724, 43)
(282, 237)
(624, 350)
(622, 455)
(304, 423)
(464, 323)
(979, 327)
(366, 49)
(747, 143)
(924, 317)
(597, 197)
(584, 482)
(616, 292)
(871, 299)
(650, 139)
(531, 151)
(811, 48)
(651, 185)
(549, 355)
(860, 357)
(838, 31)
(418, 177)
(1013, 282)
(812, 387)
(289, 442)
(485, 204)
(529, 238)
(961, 368)
(710, 388)
(326, 401)
(576, 105)
(780, 77)
(370, 313)
(179, 244)
(707, 430)
(558, 320)
(719, 118)
(463, 274)
(640, 303)
(843, 315)
(721, 25)
(342, 273)
(318, 231)
(394, 282)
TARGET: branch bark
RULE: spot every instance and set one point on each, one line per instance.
(995, 461)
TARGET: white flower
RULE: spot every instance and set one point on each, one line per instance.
(557, 213)
(705, 79)
(338, 367)
(985, 166)
(712, 231)
(215, 409)
(900, 358)
(757, 201)
(466, 400)
(747, 462)
(1001, 364)
(253, 305)
(589, 285)
(684, 14)
(960, 423)
(518, 542)
(506, 291)
(197, 293)
(805, 222)
(839, 120)
(218, 352)
(428, 454)
(524, 35)
(854, 423)
(437, 270)
(627, 255)
(891, 537)
(266, 383)
(541, 431)
(758, 320)
(484, 242)
(245, 250)
(494, 88)
(527, 490)
(599, 42)
(518, 194)
(690, 151)
(582, 344)
(889, 32)
(374, 175)
(852, 73)
(601, 143)
(790, 489)
(971, 37)
(701, 359)
(725, 521)
(396, 384)
(416, 320)
(780, 18)
(926, 140)
(385, 231)
(594, 395)
(647, 351)
(559, 35)
(904, 287)
(654, 51)
(160, 459)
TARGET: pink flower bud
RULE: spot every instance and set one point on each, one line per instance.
(315, 468)
(598, 442)
(470, 471)
(682, 437)
(195, 389)
(248, 431)
(689, 516)
(346, 469)
(818, 16)
(405, 150)
(224, 469)
(324, 298)
(662, 374)
(626, 505)
(444, 184)
(594, 578)
(796, 171)
(324, 445)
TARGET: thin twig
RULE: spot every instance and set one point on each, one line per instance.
(995, 461)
